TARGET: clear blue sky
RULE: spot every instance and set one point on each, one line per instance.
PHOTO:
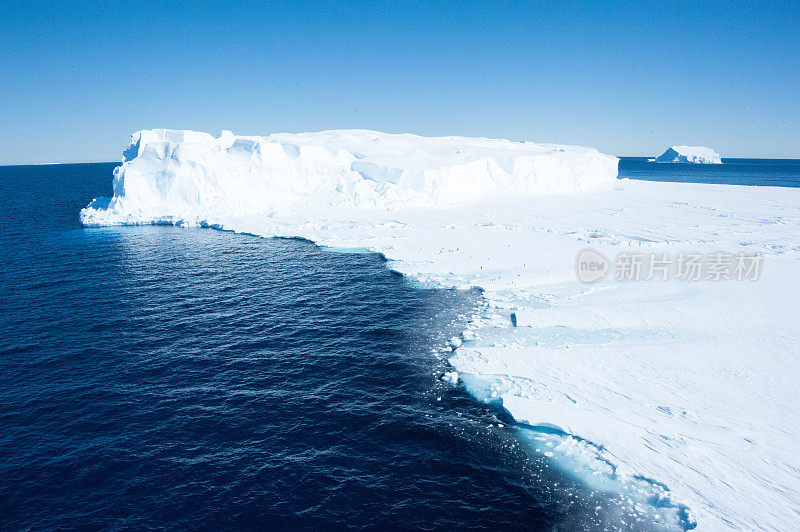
(77, 79)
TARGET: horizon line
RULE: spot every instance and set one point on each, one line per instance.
(4, 164)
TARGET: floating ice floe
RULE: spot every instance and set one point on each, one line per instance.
(451, 377)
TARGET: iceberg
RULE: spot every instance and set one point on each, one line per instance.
(689, 154)
(680, 394)
(173, 175)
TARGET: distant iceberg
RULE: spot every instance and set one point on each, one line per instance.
(690, 154)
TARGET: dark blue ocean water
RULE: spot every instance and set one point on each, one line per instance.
(757, 172)
(159, 377)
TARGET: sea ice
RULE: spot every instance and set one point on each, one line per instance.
(682, 391)
(451, 377)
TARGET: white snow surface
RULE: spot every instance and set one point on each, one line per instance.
(686, 391)
(689, 154)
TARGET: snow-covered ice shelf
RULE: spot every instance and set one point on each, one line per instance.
(686, 390)
(689, 154)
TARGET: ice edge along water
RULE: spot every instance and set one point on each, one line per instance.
(681, 385)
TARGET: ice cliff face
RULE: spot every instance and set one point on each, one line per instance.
(690, 154)
(186, 176)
